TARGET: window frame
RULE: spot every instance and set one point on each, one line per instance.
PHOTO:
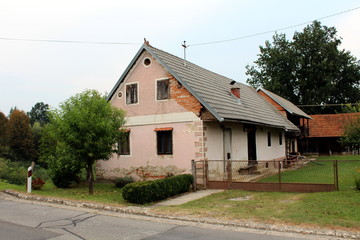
(122, 150)
(164, 142)
(157, 89)
(280, 138)
(137, 93)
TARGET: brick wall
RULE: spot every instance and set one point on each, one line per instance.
(272, 102)
(183, 97)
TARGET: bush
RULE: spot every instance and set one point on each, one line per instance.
(63, 170)
(150, 191)
(37, 183)
(121, 182)
(13, 172)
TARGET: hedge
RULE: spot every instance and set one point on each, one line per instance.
(150, 191)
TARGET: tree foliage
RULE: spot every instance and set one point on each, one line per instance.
(3, 135)
(310, 69)
(86, 127)
(351, 136)
(39, 113)
(19, 137)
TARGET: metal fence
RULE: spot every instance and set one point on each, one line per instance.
(292, 175)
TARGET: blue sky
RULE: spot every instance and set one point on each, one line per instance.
(32, 72)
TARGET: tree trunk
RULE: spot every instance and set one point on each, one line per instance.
(90, 176)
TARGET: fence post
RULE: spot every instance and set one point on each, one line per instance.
(206, 168)
(336, 175)
(193, 172)
(229, 173)
(279, 165)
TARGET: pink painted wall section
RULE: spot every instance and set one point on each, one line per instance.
(143, 152)
(146, 77)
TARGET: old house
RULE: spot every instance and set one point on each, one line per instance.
(178, 111)
(325, 131)
(295, 115)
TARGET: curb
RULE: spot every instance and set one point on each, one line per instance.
(144, 211)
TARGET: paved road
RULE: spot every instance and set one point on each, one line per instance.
(23, 220)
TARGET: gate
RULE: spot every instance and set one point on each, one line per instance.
(289, 175)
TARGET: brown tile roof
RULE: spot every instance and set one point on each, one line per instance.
(329, 125)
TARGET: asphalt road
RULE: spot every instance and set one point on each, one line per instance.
(24, 220)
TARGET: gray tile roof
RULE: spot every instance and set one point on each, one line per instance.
(213, 91)
(287, 105)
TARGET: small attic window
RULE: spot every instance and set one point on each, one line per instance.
(147, 62)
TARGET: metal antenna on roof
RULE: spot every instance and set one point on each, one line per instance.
(184, 46)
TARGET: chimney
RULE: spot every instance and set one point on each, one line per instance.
(236, 92)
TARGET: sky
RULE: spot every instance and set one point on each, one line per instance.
(51, 72)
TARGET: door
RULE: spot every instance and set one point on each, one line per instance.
(251, 141)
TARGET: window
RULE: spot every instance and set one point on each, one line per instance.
(280, 138)
(124, 143)
(132, 93)
(163, 90)
(269, 139)
(164, 141)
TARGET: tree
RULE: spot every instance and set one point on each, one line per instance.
(308, 70)
(19, 136)
(3, 136)
(86, 126)
(39, 113)
(351, 136)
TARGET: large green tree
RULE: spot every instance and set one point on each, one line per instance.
(309, 70)
(39, 113)
(85, 129)
(19, 137)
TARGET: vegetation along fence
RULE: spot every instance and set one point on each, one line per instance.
(295, 175)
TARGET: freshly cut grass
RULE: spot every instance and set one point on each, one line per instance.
(103, 192)
(322, 172)
(339, 210)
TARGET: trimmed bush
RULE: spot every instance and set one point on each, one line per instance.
(150, 191)
(121, 182)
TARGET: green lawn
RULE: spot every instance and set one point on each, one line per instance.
(340, 209)
(322, 171)
(103, 192)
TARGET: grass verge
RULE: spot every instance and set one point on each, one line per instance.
(104, 192)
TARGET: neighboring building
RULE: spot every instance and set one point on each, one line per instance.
(178, 111)
(325, 131)
(293, 114)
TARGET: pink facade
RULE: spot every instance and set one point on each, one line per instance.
(143, 120)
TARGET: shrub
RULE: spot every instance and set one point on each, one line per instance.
(13, 172)
(37, 183)
(150, 191)
(121, 182)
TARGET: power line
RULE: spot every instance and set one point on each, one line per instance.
(271, 31)
(328, 105)
(67, 41)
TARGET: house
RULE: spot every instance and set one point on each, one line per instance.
(294, 115)
(178, 111)
(325, 131)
